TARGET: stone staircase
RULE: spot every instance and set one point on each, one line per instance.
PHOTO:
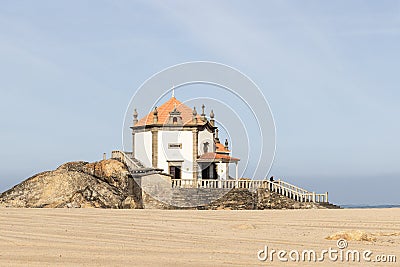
(135, 167)
(137, 162)
(192, 197)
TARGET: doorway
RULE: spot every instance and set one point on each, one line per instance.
(205, 173)
(209, 172)
(175, 171)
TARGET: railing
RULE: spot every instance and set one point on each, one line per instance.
(137, 162)
(133, 167)
(292, 187)
(129, 154)
(182, 183)
(280, 187)
(125, 158)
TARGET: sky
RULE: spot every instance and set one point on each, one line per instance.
(329, 70)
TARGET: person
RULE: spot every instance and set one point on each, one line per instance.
(271, 181)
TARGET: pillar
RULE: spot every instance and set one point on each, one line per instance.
(154, 147)
(195, 155)
(237, 170)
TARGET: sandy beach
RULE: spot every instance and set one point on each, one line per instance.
(98, 237)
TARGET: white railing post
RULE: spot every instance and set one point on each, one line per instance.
(313, 197)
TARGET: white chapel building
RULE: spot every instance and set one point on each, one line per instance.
(184, 144)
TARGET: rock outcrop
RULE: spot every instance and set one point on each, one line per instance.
(354, 235)
(103, 184)
(108, 184)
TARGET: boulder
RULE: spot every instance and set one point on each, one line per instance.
(355, 235)
(80, 184)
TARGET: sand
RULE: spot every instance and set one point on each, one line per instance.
(98, 237)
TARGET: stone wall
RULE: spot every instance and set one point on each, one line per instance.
(242, 199)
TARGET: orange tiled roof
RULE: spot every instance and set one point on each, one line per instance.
(220, 148)
(217, 156)
(165, 109)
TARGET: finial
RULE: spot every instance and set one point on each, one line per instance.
(155, 113)
(212, 121)
(135, 116)
(216, 135)
(194, 115)
(203, 115)
(173, 91)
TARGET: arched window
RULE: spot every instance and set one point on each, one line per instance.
(175, 120)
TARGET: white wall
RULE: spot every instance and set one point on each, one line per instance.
(143, 148)
(185, 153)
(205, 136)
(223, 170)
